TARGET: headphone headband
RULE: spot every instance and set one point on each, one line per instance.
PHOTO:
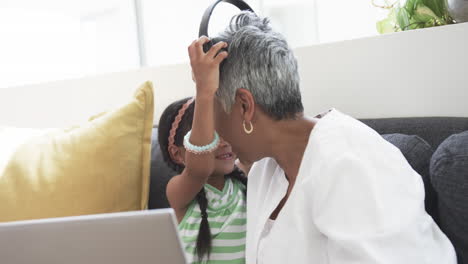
(243, 6)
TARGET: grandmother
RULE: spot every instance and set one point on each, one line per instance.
(325, 189)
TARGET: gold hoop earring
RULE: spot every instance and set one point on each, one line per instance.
(248, 131)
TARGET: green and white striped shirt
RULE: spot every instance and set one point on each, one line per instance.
(227, 218)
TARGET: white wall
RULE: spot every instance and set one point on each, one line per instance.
(65, 103)
(413, 73)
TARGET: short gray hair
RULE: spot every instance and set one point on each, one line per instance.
(260, 61)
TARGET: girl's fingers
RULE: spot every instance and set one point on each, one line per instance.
(191, 50)
(220, 57)
(199, 44)
(215, 49)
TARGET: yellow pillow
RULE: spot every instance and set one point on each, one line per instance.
(102, 166)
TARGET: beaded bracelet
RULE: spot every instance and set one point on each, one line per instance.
(201, 149)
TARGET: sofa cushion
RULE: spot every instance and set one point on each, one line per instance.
(432, 129)
(99, 167)
(449, 175)
(160, 176)
(418, 154)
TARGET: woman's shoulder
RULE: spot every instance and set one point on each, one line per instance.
(337, 133)
(343, 148)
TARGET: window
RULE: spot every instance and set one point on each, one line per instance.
(170, 27)
(295, 19)
(39, 42)
(343, 19)
(307, 22)
(109, 36)
(45, 40)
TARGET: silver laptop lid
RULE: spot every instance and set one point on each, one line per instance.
(120, 238)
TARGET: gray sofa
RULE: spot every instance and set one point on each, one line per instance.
(434, 146)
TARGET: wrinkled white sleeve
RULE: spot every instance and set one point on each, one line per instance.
(370, 208)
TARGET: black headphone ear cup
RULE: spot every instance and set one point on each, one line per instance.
(207, 46)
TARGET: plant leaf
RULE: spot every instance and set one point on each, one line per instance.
(439, 7)
(411, 5)
(402, 18)
(386, 26)
(389, 24)
(424, 14)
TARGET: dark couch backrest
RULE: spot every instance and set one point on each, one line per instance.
(432, 129)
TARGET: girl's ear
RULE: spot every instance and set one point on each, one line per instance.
(177, 155)
(247, 102)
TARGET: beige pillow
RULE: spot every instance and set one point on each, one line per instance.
(99, 167)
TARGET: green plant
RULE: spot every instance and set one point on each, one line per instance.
(414, 14)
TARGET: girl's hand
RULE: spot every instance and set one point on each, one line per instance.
(205, 66)
(183, 188)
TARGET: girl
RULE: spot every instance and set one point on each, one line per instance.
(210, 205)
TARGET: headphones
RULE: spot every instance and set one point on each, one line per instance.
(243, 6)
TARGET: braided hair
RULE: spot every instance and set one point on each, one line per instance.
(203, 244)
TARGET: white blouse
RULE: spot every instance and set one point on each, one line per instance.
(263, 242)
(356, 200)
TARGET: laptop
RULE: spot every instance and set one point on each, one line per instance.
(141, 237)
